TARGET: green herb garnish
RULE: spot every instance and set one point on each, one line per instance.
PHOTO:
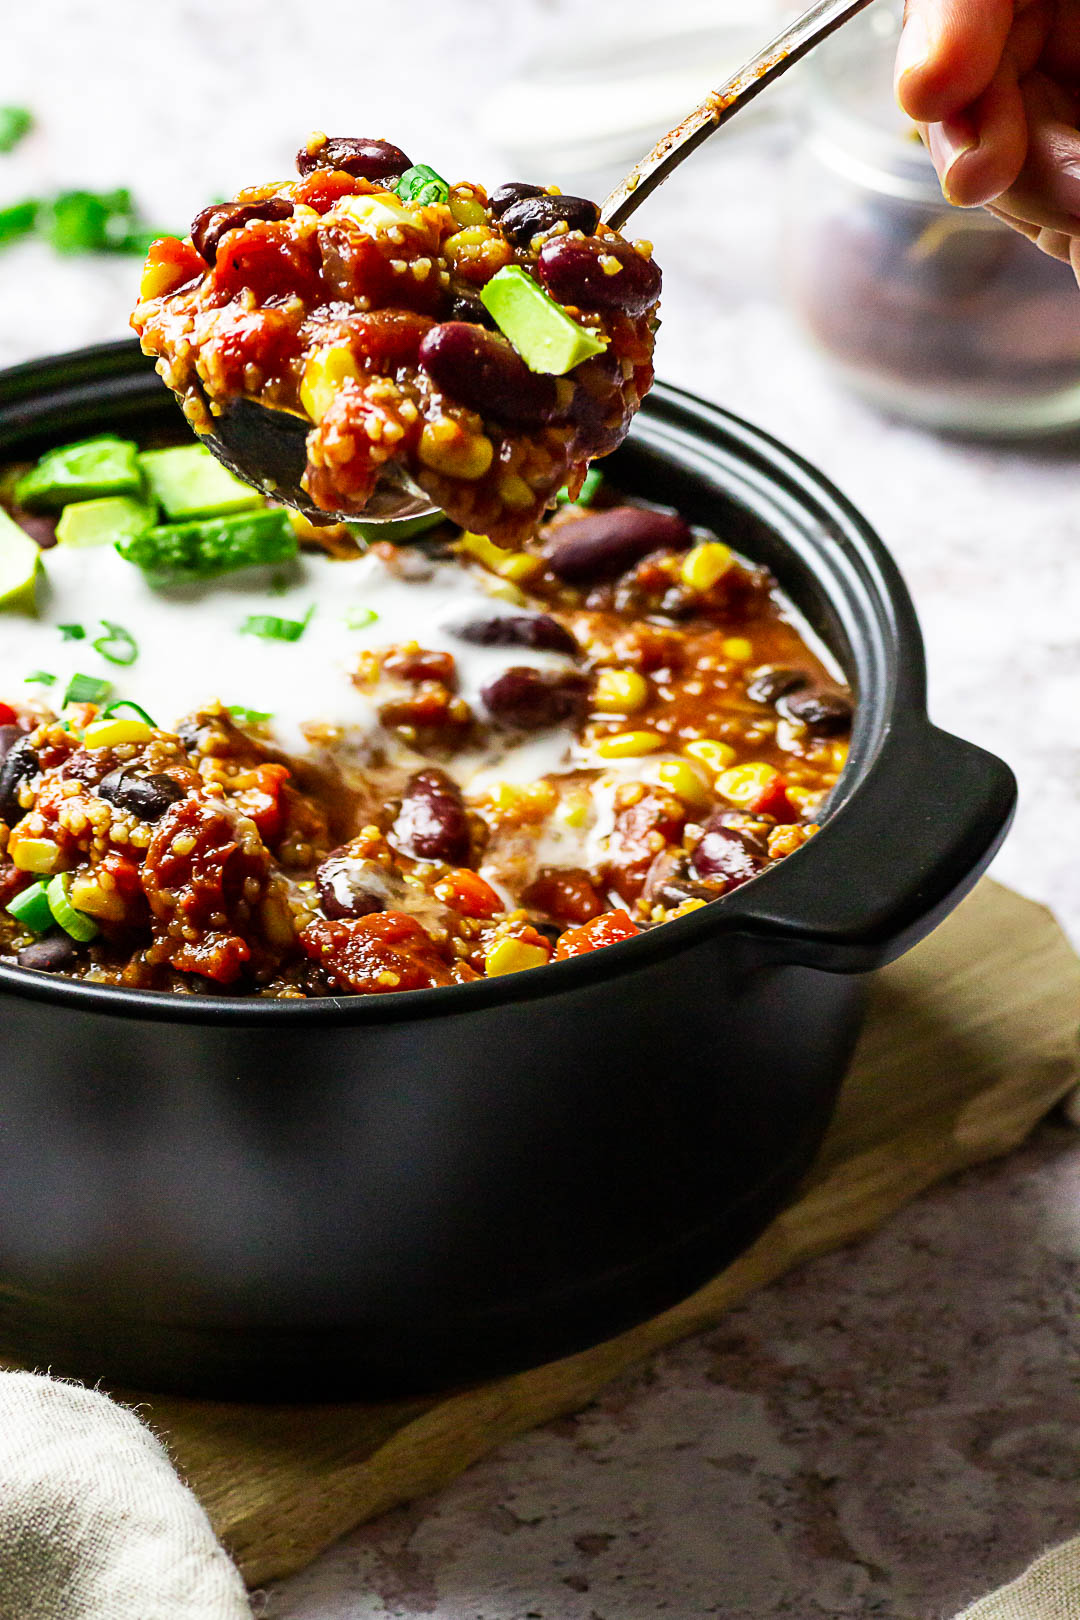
(117, 645)
(15, 122)
(39, 677)
(421, 185)
(360, 618)
(72, 632)
(274, 629)
(17, 220)
(587, 493)
(86, 689)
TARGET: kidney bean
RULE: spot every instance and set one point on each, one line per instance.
(532, 216)
(529, 699)
(572, 272)
(774, 681)
(350, 887)
(604, 544)
(566, 894)
(668, 883)
(518, 630)
(824, 714)
(481, 371)
(55, 954)
(727, 851)
(20, 763)
(365, 158)
(504, 196)
(432, 824)
(147, 797)
(210, 226)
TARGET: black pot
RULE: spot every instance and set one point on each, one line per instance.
(359, 1197)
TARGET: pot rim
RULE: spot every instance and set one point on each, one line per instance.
(41, 397)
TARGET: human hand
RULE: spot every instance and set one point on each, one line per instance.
(994, 86)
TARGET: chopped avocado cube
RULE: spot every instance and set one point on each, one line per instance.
(190, 483)
(20, 564)
(81, 472)
(544, 335)
(180, 553)
(102, 523)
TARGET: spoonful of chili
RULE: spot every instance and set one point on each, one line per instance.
(369, 342)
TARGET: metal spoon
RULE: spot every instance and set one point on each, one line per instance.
(267, 447)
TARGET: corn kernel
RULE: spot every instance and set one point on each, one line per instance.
(504, 590)
(620, 691)
(324, 375)
(745, 783)
(87, 895)
(157, 279)
(111, 733)
(685, 781)
(628, 744)
(738, 649)
(34, 854)
(505, 796)
(512, 565)
(715, 756)
(448, 449)
(513, 956)
(473, 236)
(839, 755)
(467, 211)
(515, 493)
(575, 810)
(377, 212)
(702, 567)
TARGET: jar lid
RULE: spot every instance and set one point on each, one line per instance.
(856, 126)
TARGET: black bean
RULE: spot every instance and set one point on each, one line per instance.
(605, 544)
(20, 764)
(432, 824)
(573, 273)
(210, 226)
(773, 681)
(530, 699)
(480, 370)
(824, 714)
(467, 306)
(147, 797)
(504, 196)
(517, 630)
(534, 216)
(54, 954)
(8, 736)
(351, 887)
(365, 158)
(728, 852)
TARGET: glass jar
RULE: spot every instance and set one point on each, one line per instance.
(939, 314)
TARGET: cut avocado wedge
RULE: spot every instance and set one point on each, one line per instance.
(190, 483)
(20, 565)
(103, 523)
(545, 336)
(81, 472)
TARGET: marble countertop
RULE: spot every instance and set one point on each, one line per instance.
(892, 1429)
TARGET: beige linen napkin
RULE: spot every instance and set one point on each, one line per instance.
(1049, 1589)
(94, 1523)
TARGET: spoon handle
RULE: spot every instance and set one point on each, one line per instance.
(789, 47)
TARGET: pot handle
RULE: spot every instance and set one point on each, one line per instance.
(915, 837)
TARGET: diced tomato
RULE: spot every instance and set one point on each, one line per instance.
(566, 894)
(124, 873)
(468, 893)
(375, 954)
(8, 716)
(593, 936)
(774, 802)
(262, 800)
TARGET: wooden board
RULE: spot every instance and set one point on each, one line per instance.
(971, 1039)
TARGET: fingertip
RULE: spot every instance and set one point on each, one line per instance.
(949, 51)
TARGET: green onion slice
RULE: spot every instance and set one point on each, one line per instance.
(39, 677)
(75, 923)
(31, 908)
(86, 689)
(588, 491)
(421, 185)
(359, 618)
(72, 632)
(117, 645)
(134, 708)
(248, 717)
(274, 629)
